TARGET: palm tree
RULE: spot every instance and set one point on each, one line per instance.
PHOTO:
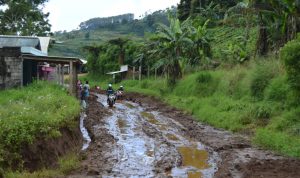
(120, 42)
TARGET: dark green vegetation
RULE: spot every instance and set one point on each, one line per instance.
(232, 64)
(37, 111)
(23, 17)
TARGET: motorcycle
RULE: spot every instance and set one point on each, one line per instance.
(111, 100)
(119, 94)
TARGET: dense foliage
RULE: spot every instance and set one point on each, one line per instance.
(35, 111)
(290, 54)
(22, 17)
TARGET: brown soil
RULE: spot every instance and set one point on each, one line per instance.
(45, 152)
(238, 157)
(96, 159)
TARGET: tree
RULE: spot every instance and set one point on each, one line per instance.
(184, 8)
(171, 41)
(278, 21)
(23, 17)
(196, 6)
(120, 42)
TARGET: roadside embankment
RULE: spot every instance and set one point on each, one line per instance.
(38, 125)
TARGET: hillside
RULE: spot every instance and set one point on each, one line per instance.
(97, 31)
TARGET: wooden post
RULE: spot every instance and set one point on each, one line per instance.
(140, 73)
(114, 78)
(71, 77)
(37, 73)
(62, 75)
(155, 75)
(75, 75)
(58, 74)
(133, 73)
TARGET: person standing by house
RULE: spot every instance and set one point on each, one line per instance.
(87, 88)
(79, 88)
(83, 97)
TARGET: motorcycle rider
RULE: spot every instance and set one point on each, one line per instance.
(120, 92)
(109, 91)
(121, 88)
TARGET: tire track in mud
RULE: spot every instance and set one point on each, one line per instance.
(238, 158)
(227, 154)
(150, 145)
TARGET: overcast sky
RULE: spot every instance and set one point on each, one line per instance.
(67, 14)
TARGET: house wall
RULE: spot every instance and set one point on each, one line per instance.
(10, 67)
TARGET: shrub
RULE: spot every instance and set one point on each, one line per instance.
(277, 90)
(204, 78)
(260, 80)
(290, 54)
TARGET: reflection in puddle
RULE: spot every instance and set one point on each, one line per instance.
(194, 175)
(194, 157)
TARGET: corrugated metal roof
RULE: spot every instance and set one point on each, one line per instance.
(19, 41)
(33, 51)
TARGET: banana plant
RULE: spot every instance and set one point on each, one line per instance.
(171, 42)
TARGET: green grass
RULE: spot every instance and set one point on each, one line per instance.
(38, 110)
(234, 99)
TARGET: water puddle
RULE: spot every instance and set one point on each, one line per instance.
(85, 134)
(194, 157)
(138, 154)
(195, 175)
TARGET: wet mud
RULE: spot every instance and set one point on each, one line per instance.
(143, 137)
(237, 157)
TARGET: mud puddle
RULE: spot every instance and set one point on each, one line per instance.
(84, 132)
(151, 145)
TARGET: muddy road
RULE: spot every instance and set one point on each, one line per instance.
(143, 137)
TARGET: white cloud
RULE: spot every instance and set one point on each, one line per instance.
(67, 14)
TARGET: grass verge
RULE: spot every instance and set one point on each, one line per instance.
(40, 109)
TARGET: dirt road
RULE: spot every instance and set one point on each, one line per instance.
(143, 137)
